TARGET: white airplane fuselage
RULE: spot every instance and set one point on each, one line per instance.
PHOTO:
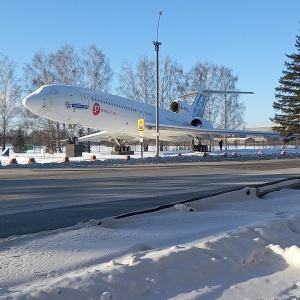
(103, 111)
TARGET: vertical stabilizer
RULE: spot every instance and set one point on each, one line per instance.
(202, 97)
(199, 104)
(5, 152)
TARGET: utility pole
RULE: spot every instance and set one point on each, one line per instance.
(156, 46)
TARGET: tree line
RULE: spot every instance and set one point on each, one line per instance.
(90, 68)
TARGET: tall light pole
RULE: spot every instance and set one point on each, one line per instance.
(156, 45)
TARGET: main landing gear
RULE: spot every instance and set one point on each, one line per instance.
(199, 147)
(121, 148)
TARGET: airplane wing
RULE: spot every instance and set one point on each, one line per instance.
(175, 131)
(106, 136)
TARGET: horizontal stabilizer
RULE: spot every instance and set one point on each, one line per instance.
(209, 92)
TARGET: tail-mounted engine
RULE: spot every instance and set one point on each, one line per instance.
(184, 109)
(196, 122)
(181, 108)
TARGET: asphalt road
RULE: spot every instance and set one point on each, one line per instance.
(33, 200)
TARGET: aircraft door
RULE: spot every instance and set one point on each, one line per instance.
(77, 105)
(85, 101)
(44, 102)
(141, 115)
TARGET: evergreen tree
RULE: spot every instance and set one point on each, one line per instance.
(19, 145)
(287, 94)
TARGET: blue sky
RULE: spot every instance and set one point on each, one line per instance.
(249, 36)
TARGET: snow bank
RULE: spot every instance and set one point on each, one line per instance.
(234, 246)
(103, 159)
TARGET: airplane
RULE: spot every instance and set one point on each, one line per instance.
(5, 152)
(117, 117)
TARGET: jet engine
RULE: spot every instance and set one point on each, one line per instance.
(196, 122)
(180, 107)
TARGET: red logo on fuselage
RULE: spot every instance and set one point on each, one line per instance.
(96, 109)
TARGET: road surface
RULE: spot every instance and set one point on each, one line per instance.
(33, 199)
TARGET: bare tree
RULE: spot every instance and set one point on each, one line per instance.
(127, 82)
(222, 110)
(206, 75)
(145, 77)
(38, 72)
(181, 82)
(98, 74)
(231, 110)
(66, 66)
(170, 80)
(67, 69)
(10, 93)
(139, 85)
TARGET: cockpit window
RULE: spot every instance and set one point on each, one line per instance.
(48, 89)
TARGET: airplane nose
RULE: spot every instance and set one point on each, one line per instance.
(33, 103)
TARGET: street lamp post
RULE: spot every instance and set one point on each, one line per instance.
(156, 46)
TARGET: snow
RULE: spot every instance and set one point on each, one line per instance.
(104, 157)
(231, 246)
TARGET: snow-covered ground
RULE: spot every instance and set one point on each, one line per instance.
(104, 157)
(234, 246)
(231, 246)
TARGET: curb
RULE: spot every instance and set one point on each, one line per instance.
(260, 190)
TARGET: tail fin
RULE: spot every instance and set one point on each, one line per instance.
(202, 96)
(5, 152)
(199, 104)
